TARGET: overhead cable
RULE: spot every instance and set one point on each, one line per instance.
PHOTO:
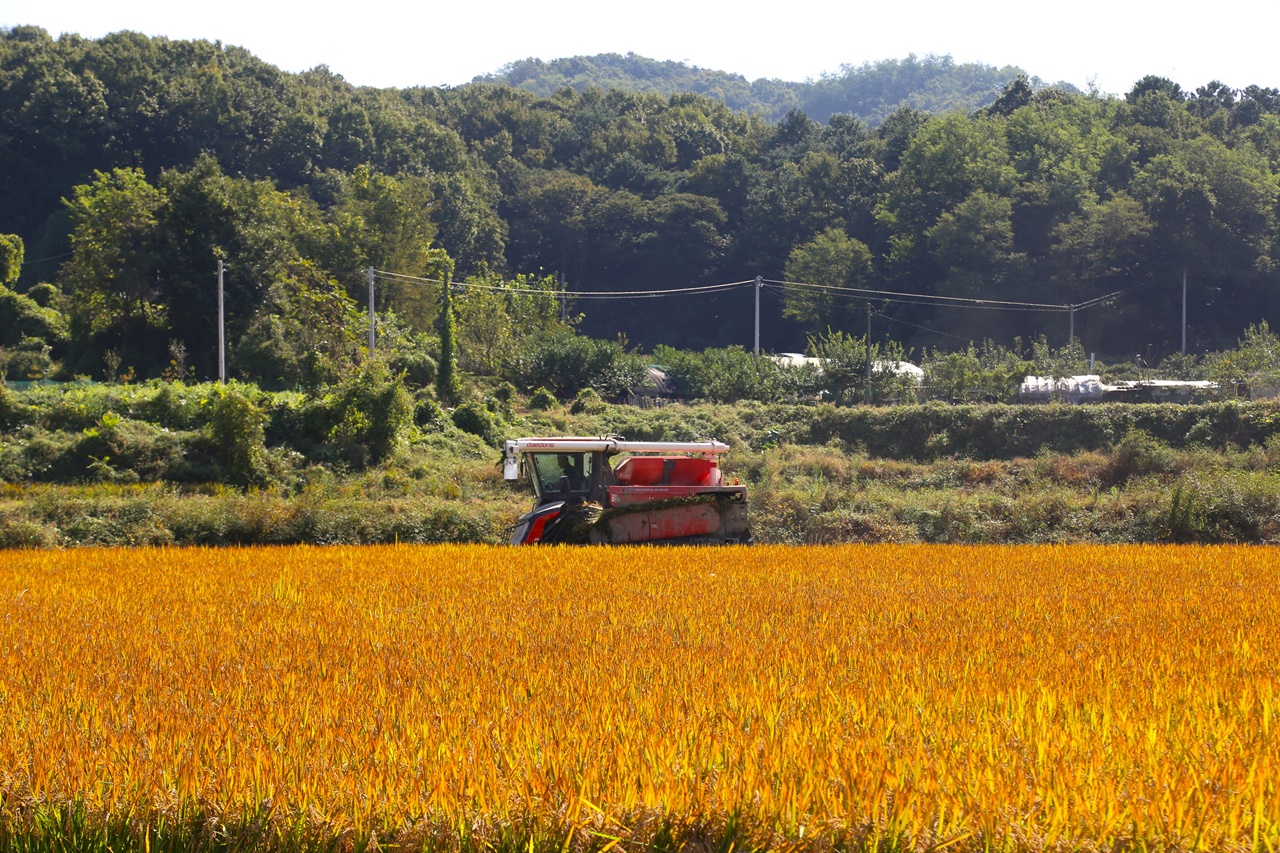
(894, 296)
(576, 294)
(848, 293)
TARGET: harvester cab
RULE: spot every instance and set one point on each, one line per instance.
(659, 492)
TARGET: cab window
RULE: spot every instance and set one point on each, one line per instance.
(561, 473)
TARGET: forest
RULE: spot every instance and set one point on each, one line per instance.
(871, 91)
(132, 165)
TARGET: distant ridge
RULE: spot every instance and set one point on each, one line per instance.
(871, 90)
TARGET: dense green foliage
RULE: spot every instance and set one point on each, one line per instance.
(871, 91)
(133, 164)
(112, 464)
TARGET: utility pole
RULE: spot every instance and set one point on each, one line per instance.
(222, 329)
(564, 301)
(1184, 310)
(868, 394)
(868, 345)
(371, 320)
(759, 281)
(1071, 324)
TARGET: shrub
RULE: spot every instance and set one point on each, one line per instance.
(173, 405)
(542, 400)
(476, 419)
(505, 393)
(13, 412)
(427, 413)
(732, 373)
(588, 400)
(367, 414)
(1137, 455)
(566, 363)
(123, 450)
(23, 533)
(30, 359)
(418, 368)
(237, 432)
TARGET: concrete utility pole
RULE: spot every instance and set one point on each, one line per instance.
(1071, 324)
(868, 340)
(222, 329)
(371, 321)
(759, 282)
(1184, 310)
(867, 396)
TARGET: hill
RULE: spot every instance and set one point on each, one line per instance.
(132, 165)
(871, 91)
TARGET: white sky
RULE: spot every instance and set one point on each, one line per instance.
(384, 43)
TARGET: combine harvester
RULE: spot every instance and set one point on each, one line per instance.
(661, 492)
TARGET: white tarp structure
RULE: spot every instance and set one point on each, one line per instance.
(901, 368)
(1089, 388)
(1086, 388)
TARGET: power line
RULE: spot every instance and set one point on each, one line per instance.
(576, 294)
(860, 293)
(923, 328)
(1089, 303)
(918, 298)
(987, 305)
(777, 293)
(50, 258)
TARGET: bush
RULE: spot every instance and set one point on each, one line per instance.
(44, 294)
(13, 412)
(173, 405)
(30, 359)
(366, 416)
(22, 317)
(505, 393)
(1137, 455)
(566, 363)
(476, 419)
(418, 368)
(588, 400)
(236, 433)
(122, 450)
(542, 400)
(427, 413)
(22, 533)
(730, 374)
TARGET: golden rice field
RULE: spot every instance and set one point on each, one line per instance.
(469, 697)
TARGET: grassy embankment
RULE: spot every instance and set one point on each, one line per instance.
(144, 465)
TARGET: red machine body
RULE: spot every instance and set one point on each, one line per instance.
(661, 492)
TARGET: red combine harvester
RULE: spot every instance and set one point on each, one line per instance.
(662, 492)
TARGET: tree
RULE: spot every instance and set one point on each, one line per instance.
(831, 259)
(854, 373)
(207, 216)
(1017, 93)
(549, 220)
(1212, 210)
(1255, 362)
(11, 251)
(495, 319)
(112, 271)
(385, 222)
(305, 334)
(467, 222)
(973, 242)
(1102, 249)
(448, 386)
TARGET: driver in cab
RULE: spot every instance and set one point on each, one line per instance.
(571, 479)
